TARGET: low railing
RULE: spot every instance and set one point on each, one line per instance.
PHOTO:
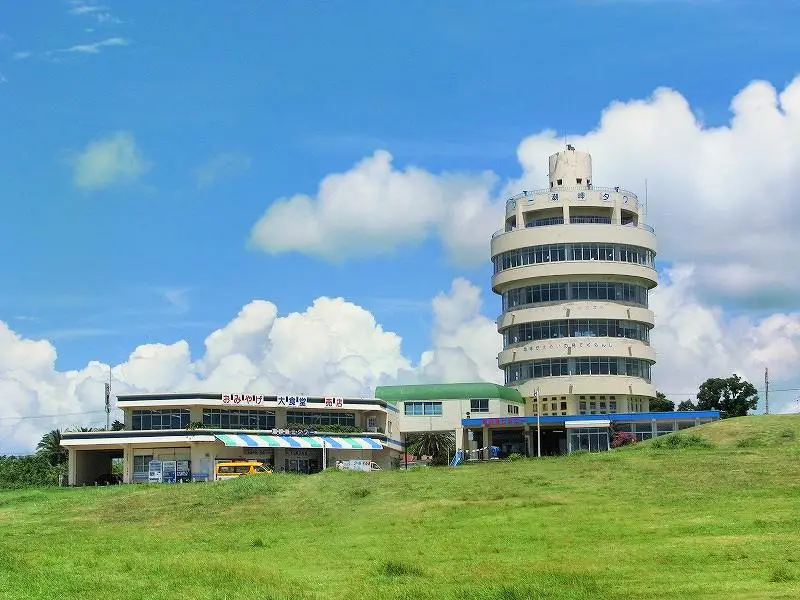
(644, 226)
(574, 188)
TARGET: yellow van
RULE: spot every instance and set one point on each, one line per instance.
(237, 468)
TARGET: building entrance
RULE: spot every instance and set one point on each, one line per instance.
(510, 441)
(554, 442)
(303, 461)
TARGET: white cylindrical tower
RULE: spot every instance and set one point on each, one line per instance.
(574, 265)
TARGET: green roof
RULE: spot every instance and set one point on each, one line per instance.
(446, 391)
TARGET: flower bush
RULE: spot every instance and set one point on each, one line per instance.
(622, 438)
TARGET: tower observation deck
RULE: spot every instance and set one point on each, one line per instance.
(574, 265)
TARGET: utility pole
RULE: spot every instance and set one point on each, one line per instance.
(108, 401)
(766, 390)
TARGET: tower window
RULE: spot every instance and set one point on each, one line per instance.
(579, 180)
(558, 181)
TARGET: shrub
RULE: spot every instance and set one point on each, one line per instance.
(681, 441)
(622, 438)
(28, 471)
(514, 456)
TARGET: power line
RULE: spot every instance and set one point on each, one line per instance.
(25, 417)
(757, 390)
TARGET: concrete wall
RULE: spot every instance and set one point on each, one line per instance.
(453, 411)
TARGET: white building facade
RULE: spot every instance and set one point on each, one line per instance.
(574, 265)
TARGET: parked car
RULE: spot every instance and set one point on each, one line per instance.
(238, 468)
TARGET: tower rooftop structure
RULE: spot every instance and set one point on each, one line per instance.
(574, 265)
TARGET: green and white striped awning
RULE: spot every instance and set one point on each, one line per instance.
(242, 440)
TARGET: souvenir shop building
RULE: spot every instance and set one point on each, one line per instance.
(187, 434)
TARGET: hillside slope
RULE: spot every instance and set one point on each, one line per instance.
(755, 431)
(702, 522)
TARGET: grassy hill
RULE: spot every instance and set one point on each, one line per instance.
(663, 519)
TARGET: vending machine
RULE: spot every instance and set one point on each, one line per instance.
(184, 473)
(154, 468)
(169, 471)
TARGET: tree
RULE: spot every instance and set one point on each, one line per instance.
(732, 396)
(686, 405)
(440, 445)
(49, 448)
(661, 403)
(117, 425)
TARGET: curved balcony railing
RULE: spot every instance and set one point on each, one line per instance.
(574, 188)
(644, 226)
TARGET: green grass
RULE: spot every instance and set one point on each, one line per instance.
(707, 516)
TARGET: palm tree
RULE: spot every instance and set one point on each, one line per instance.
(440, 445)
(50, 448)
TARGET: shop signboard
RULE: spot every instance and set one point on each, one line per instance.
(292, 432)
(242, 399)
(298, 452)
(182, 471)
(169, 470)
(503, 421)
(334, 402)
(293, 401)
(154, 468)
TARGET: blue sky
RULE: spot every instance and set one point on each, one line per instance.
(291, 92)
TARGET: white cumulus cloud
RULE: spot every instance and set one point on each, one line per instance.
(110, 161)
(695, 341)
(376, 208)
